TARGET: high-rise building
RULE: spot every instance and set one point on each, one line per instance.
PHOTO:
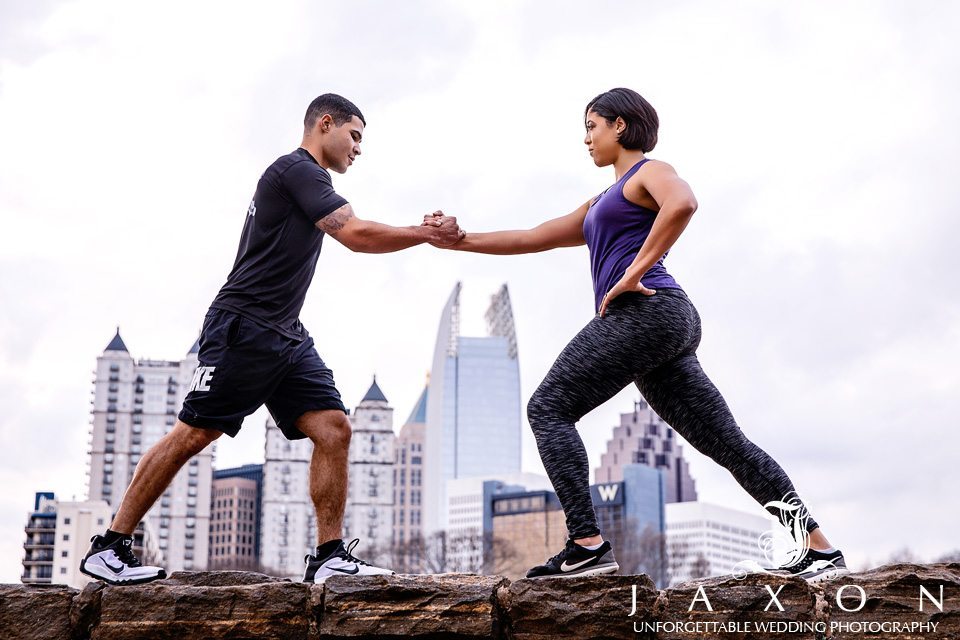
(58, 537)
(709, 540)
(252, 472)
(288, 522)
(369, 509)
(41, 530)
(473, 409)
(135, 403)
(234, 530)
(633, 504)
(408, 475)
(644, 438)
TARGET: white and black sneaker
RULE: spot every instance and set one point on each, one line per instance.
(575, 560)
(115, 563)
(816, 566)
(333, 559)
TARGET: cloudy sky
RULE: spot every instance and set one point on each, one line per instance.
(820, 139)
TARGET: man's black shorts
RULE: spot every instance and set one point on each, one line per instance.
(244, 365)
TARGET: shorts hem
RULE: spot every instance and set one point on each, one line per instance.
(289, 425)
(197, 422)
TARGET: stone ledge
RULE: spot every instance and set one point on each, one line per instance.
(240, 605)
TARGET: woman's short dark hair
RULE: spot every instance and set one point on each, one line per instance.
(339, 108)
(640, 116)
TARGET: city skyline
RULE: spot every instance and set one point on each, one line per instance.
(818, 138)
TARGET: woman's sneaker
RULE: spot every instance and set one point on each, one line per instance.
(815, 566)
(339, 562)
(575, 560)
(115, 563)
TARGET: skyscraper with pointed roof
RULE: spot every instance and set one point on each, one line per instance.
(473, 409)
(135, 403)
(369, 511)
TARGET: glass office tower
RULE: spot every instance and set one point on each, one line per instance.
(473, 408)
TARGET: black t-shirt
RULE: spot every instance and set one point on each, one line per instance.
(280, 245)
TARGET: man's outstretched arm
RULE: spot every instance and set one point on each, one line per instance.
(366, 236)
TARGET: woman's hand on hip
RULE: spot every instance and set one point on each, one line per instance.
(625, 284)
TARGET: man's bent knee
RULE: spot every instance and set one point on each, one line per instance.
(330, 429)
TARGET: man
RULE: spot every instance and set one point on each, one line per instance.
(255, 351)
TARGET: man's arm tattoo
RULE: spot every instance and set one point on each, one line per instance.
(334, 222)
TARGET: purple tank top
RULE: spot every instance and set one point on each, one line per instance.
(615, 229)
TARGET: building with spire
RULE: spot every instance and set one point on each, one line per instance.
(644, 438)
(473, 409)
(135, 403)
(369, 511)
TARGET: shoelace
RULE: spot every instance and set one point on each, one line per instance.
(349, 556)
(125, 552)
(566, 550)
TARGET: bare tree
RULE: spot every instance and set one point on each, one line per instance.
(678, 555)
(640, 551)
(443, 552)
(953, 556)
(700, 567)
(903, 555)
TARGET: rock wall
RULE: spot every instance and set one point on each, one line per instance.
(232, 605)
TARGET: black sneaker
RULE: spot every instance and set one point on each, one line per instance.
(815, 566)
(115, 563)
(339, 562)
(575, 560)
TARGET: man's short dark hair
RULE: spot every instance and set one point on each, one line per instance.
(640, 116)
(339, 108)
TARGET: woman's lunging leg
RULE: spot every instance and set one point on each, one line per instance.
(590, 370)
(682, 394)
(574, 386)
(635, 336)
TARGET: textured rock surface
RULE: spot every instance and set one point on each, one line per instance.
(238, 605)
(219, 578)
(445, 605)
(593, 607)
(172, 609)
(35, 612)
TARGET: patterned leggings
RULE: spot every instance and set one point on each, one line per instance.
(652, 342)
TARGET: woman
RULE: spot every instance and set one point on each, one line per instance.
(646, 332)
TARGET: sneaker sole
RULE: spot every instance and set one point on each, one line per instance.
(827, 574)
(121, 583)
(592, 571)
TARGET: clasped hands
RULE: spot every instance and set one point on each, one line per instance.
(449, 232)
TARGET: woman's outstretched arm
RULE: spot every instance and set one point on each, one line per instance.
(565, 231)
